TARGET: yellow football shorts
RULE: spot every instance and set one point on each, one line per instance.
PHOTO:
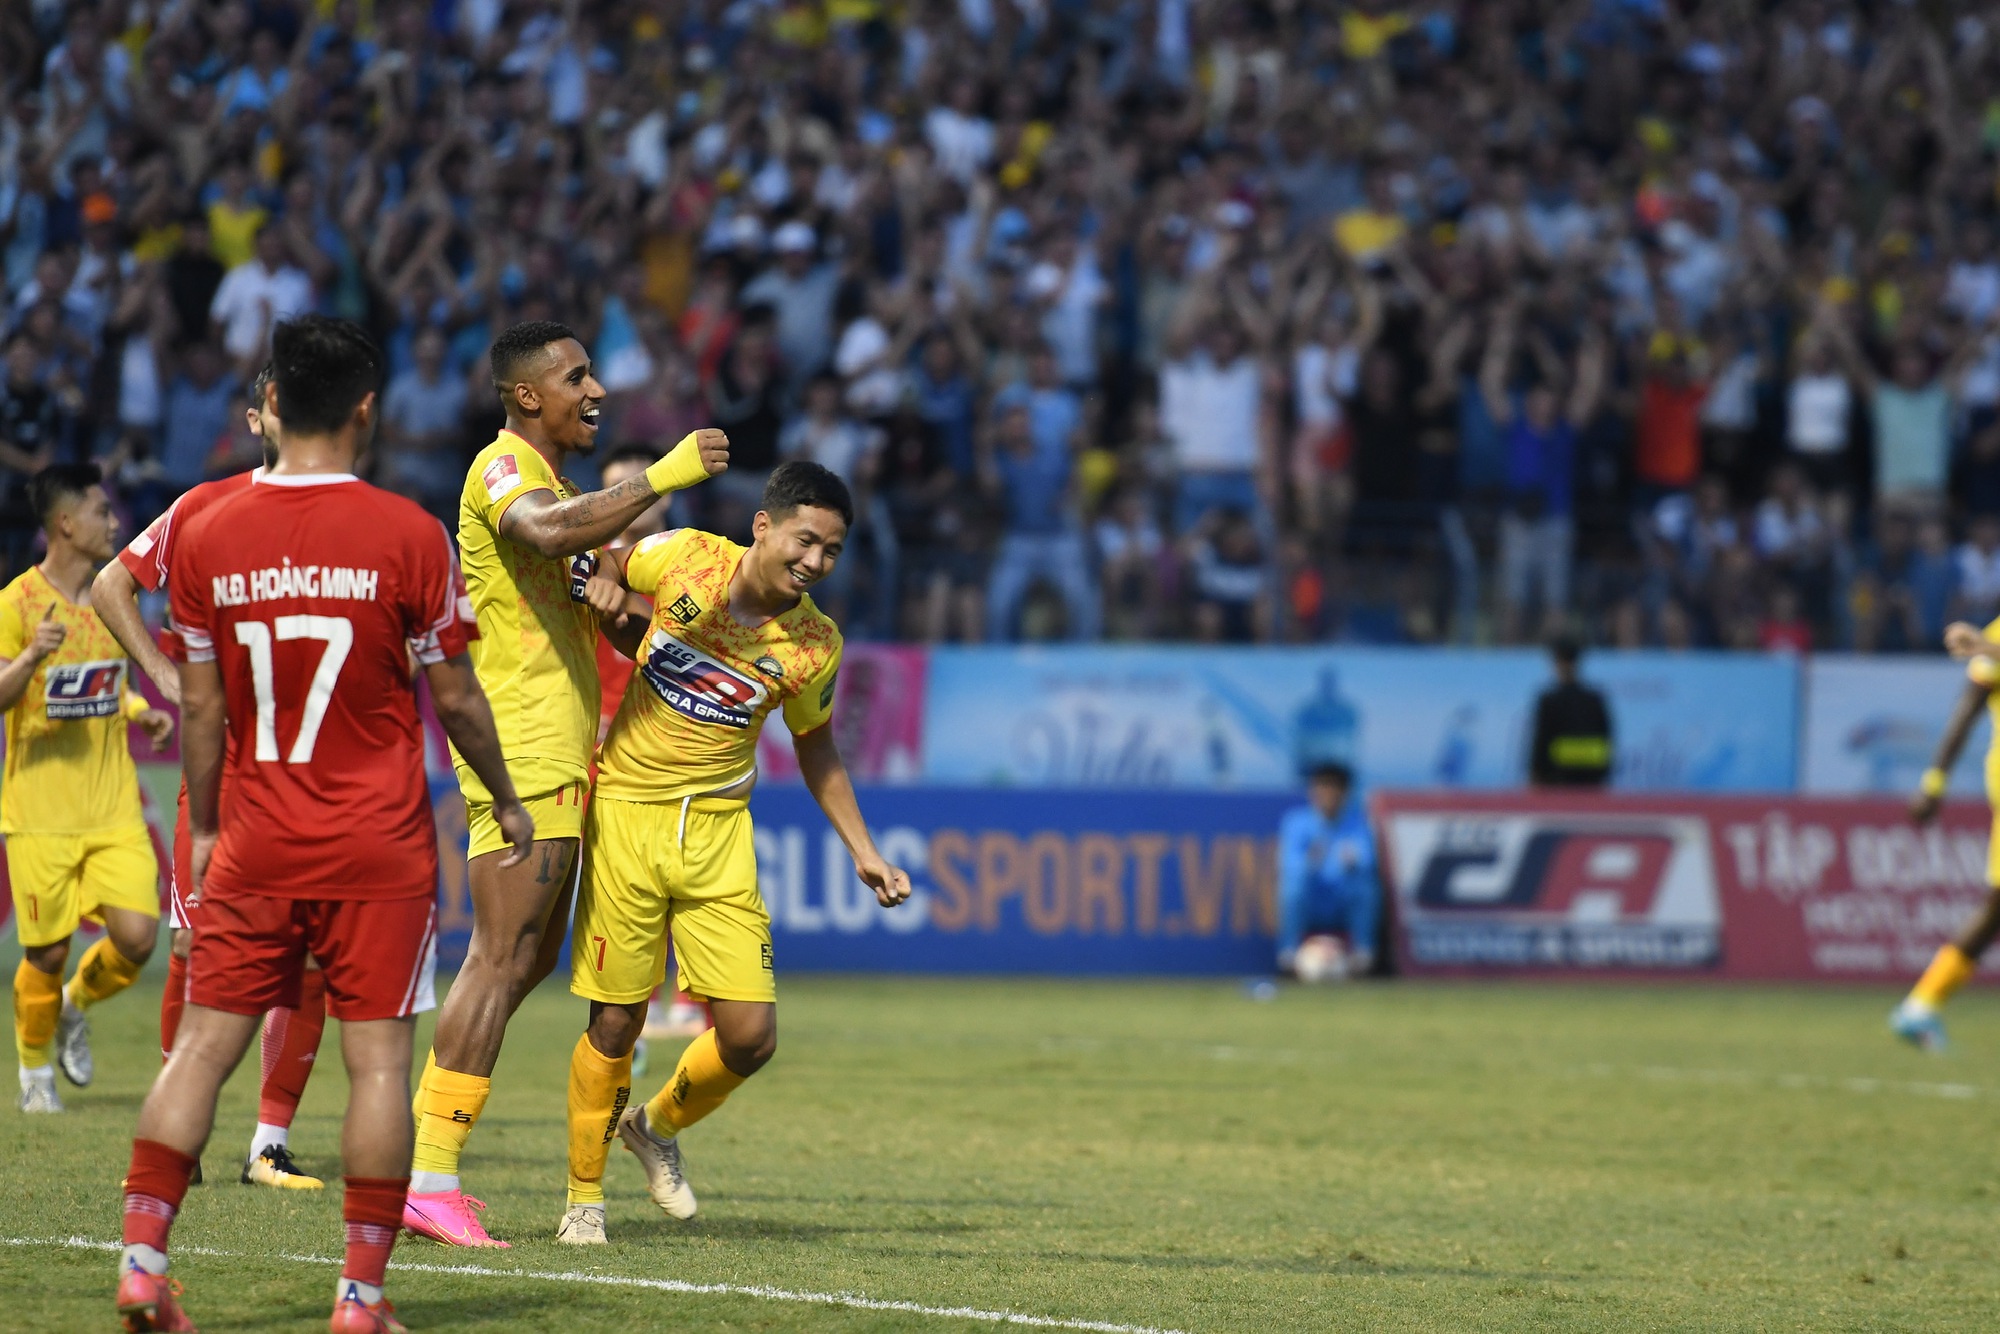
(554, 793)
(59, 879)
(1993, 852)
(685, 869)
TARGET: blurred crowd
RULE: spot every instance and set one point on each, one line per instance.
(1229, 320)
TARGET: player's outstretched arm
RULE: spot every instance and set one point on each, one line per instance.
(468, 720)
(202, 716)
(114, 596)
(1924, 806)
(826, 778)
(552, 527)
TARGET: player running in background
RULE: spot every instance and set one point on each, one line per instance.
(300, 601)
(77, 842)
(733, 636)
(684, 1016)
(1917, 1020)
(291, 1037)
(528, 542)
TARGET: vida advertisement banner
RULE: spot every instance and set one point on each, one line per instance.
(1786, 888)
(1221, 718)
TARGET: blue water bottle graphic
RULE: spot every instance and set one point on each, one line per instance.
(1455, 752)
(1328, 729)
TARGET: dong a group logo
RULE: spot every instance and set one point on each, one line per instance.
(1556, 890)
(697, 685)
(84, 689)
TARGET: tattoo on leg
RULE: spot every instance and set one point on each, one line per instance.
(542, 876)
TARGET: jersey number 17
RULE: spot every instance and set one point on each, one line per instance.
(337, 633)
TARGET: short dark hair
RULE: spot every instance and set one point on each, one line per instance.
(1566, 649)
(1331, 771)
(323, 368)
(59, 483)
(801, 483)
(517, 344)
(259, 383)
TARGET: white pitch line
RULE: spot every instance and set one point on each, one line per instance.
(1854, 1084)
(851, 1300)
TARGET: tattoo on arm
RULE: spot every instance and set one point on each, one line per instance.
(581, 522)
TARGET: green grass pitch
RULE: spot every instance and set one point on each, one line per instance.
(1169, 1155)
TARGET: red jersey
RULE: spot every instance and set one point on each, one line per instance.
(149, 556)
(304, 592)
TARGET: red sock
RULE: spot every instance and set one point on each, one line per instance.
(154, 1189)
(172, 1001)
(374, 1211)
(291, 1041)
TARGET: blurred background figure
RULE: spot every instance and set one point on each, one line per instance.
(1572, 741)
(1327, 883)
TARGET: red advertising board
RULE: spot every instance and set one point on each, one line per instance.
(1781, 888)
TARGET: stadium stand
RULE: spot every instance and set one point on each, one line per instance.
(1211, 319)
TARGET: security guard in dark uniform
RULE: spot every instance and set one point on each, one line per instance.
(1572, 737)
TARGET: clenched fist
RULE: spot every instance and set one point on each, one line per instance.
(714, 447)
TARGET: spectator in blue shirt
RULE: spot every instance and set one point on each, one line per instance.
(1326, 871)
(1041, 540)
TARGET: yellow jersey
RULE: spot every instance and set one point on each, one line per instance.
(705, 681)
(536, 655)
(1986, 672)
(69, 764)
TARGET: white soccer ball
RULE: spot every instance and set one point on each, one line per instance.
(1321, 959)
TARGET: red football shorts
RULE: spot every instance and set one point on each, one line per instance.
(180, 872)
(379, 956)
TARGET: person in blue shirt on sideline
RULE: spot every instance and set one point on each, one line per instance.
(1326, 870)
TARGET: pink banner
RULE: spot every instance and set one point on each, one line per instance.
(878, 718)
(1781, 888)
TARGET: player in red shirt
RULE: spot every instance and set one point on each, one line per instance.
(291, 1037)
(300, 601)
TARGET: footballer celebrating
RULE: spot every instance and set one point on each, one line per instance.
(77, 842)
(528, 542)
(733, 637)
(300, 601)
(291, 1036)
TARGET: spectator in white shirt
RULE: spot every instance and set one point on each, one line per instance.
(1978, 562)
(254, 296)
(959, 135)
(1212, 407)
(1972, 288)
(1819, 405)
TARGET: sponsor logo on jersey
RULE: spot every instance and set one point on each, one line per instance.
(692, 683)
(84, 689)
(685, 609)
(580, 570)
(826, 692)
(770, 666)
(501, 476)
(1557, 890)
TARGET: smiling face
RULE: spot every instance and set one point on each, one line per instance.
(564, 396)
(795, 550)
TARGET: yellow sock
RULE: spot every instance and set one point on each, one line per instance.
(1949, 971)
(37, 1002)
(448, 1105)
(599, 1088)
(700, 1084)
(103, 973)
(417, 1098)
